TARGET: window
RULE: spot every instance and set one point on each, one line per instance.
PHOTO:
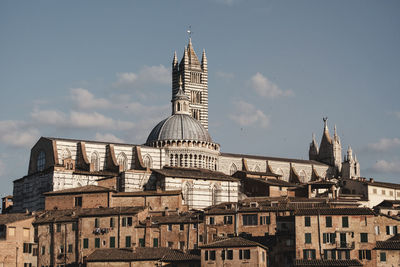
(170, 244)
(141, 242)
(307, 238)
(94, 161)
(182, 246)
(169, 227)
(223, 255)
(96, 223)
(383, 192)
(374, 191)
(58, 227)
(212, 255)
(200, 238)
(78, 201)
(27, 248)
(328, 222)
(85, 243)
(265, 220)
(61, 250)
(230, 254)
(126, 221)
(309, 254)
(181, 227)
(329, 254)
(307, 221)
(206, 255)
(383, 256)
(328, 238)
(244, 254)
(11, 231)
(155, 242)
(250, 219)
(70, 248)
(212, 220)
(195, 226)
(343, 254)
(228, 220)
(391, 193)
(345, 222)
(364, 237)
(364, 254)
(391, 230)
(111, 222)
(73, 226)
(43, 250)
(112, 241)
(377, 231)
(97, 242)
(128, 242)
(41, 161)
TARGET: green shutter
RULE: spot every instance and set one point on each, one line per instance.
(128, 242)
(97, 242)
(383, 256)
(112, 241)
(85, 243)
(155, 242)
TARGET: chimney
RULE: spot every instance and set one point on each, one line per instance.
(371, 180)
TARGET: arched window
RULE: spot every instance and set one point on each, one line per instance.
(147, 161)
(214, 195)
(122, 161)
(187, 193)
(303, 176)
(257, 169)
(233, 169)
(65, 154)
(41, 161)
(94, 160)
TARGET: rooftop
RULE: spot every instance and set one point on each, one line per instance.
(14, 217)
(141, 254)
(233, 242)
(81, 189)
(334, 211)
(194, 173)
(327, 263)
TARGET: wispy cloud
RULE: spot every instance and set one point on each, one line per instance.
(384, 144)
(265, 88)
(153, 74)
(225, 75)
(86, 100)
(387, 166)
(108, 138)
(77, 119)
(17, 133)
(247, 114)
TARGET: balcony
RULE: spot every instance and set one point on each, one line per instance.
(345, 245)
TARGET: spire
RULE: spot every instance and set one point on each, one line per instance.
(204, 60)
(175, 60)
(313, 151)
(180, 102)
(349, 154)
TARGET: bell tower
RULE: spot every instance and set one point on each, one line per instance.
(193, 75)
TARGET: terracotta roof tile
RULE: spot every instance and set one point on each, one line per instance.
(335, 211)
(140, 254)
(233, 242)
(81, 189)
(327, 263)
(13, 217)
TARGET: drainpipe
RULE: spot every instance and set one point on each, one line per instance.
(319, 236)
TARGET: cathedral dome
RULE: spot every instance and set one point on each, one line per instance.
(179, 127)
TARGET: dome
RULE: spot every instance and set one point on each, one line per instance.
(179, 127)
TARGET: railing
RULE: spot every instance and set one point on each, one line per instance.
(345, 245)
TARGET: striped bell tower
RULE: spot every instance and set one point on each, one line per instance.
(194, 77)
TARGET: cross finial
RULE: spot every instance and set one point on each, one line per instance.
(189, 31)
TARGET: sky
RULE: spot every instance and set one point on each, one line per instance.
(101, 70)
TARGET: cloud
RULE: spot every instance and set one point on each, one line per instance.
(77, 119)
(248, 115)
(108, 138)
(387, 166)
(225, 75)
(384, 144)
(17, 133)
(266, 88)
(86, 100)
(153, 74)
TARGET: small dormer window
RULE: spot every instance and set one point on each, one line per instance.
(41, 161)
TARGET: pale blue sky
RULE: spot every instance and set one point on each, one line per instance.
(101, 70)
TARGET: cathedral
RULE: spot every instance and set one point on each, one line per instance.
(179, 154)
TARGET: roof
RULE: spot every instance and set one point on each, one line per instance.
(313, 162)
(179, 127)
(233, 242)
(392, 243)
(267, 173)
(81, 189)
(73, 214)
(334, 211)
(140, 254)
(372, 182)
(182, 218)
(388, 203)
(328, 263)
(148, 193)
(14, 217)
(194, 173)
(274, 182)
